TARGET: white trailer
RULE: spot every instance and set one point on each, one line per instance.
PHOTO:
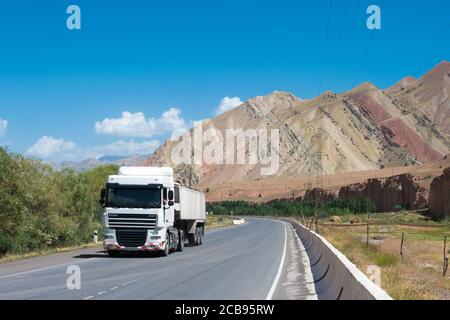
(145, 210)
(190, 210)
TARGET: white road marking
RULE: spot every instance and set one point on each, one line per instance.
(43, 269)
(127, 283)
(101, 292)
(114, 288)
(280, 268)
(87, 298)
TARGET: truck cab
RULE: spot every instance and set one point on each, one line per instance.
(140, 213)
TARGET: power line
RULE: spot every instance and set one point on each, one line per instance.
(366, 49)
(350, 38)
(326, 45)
(339, 43)
(429, 54)
(433, 48)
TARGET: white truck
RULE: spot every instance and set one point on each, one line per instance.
(146, 210)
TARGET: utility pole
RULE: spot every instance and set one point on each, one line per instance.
(317, 140)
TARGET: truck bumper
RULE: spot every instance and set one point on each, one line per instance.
(149, 246)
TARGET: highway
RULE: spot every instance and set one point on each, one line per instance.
(257, 260)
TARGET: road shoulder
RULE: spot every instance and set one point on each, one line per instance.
(296, 281)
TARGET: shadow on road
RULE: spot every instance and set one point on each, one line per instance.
(98, 254)
(103, 254)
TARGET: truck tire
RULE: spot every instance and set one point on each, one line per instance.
(180, 246)
(200, 236)
(191, 239)
(113, 253)
(197, 236)
(166, 250)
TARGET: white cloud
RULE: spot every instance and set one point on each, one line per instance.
(136, 125)
(226, 104)
(45, 147)
(49, 148)
(3, 126)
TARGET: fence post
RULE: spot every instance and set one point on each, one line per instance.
(316, 222)
(444, 272)
(367, 231)
(401, 244)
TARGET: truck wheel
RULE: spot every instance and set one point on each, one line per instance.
(180, 246)
(200, 236)
(166, 250)
(197, 237)
(191, 239)
(113, 253)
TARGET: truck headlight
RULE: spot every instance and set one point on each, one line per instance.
(109, 234)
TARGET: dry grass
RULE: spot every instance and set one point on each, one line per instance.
(416, 275)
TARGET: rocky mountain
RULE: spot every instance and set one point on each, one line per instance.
(439, 200)
(91, 163)
(365, 128)
(389, 193)
(427, 98)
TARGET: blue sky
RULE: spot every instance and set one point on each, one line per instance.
(183, 57)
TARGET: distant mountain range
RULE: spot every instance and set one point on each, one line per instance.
(91, 163)
(365, 128)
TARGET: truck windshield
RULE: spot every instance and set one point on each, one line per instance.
(133, 197)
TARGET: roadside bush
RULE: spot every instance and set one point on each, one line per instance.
(41, 208)
(5, 245)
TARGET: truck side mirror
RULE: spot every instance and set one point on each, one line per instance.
(102, 197)
(171, 195)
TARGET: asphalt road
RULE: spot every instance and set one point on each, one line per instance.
(257, 260)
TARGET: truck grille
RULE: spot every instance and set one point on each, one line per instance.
(125, 220)
(131, 237)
